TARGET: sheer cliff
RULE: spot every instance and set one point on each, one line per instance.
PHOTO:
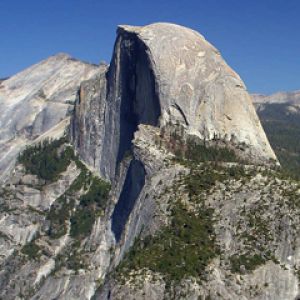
(164, 185)
(165, 74)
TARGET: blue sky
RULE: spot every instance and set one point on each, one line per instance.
(258, 38)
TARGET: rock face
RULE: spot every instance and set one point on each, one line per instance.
(88, 121)
(193, 86)
(37, 102)
(165, 74)
(174, 225)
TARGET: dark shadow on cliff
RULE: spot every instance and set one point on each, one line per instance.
(139, 102)
(133, 185)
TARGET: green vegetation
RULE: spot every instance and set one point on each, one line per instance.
(259, 226)
(188, 244)
(194, 150)
(31, 250)
(58, 215)
(90, 204)
(204, 176)
(82, 222)
(97, 194)
(283, 131)
(72, 258)
(192, 153)
(250, 262)
(61, 210)
(257, 238)
(182, 249)
(293, 197)
(47, 159)
(201, 152)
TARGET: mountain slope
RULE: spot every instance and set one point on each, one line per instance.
(198, 229)
(280, 97)
(38, 100)
(164, 186)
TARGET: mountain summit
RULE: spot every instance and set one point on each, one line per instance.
(36, 100)
(167, 76)
(158, 183)
(192, 83)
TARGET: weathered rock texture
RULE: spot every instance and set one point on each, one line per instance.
(195, 87)
(88, 121)
(36, 102)
(165, 74)
(165, 84)
(256, 217)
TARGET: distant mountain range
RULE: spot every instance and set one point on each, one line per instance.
(280, 97)
(280, 117)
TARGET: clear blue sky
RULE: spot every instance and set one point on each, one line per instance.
(260, 39)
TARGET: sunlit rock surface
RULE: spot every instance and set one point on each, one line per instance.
(38, 101)
(161, 75)
(195, 86)
(126, 121)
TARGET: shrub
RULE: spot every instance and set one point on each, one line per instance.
(186, 246)
(59, 213)
(89, 204)
(82, 222)
(31, 250)
(183, 249)
(250, 262)
(46, 160)
(94, 199)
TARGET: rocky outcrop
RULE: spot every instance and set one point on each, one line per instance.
(254, 212)
(194, 86)
(38, 102)
(228, 230)
(165, 74)
(257, 236)
(88, 121)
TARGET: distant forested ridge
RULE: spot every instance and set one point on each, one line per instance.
(281, 122)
